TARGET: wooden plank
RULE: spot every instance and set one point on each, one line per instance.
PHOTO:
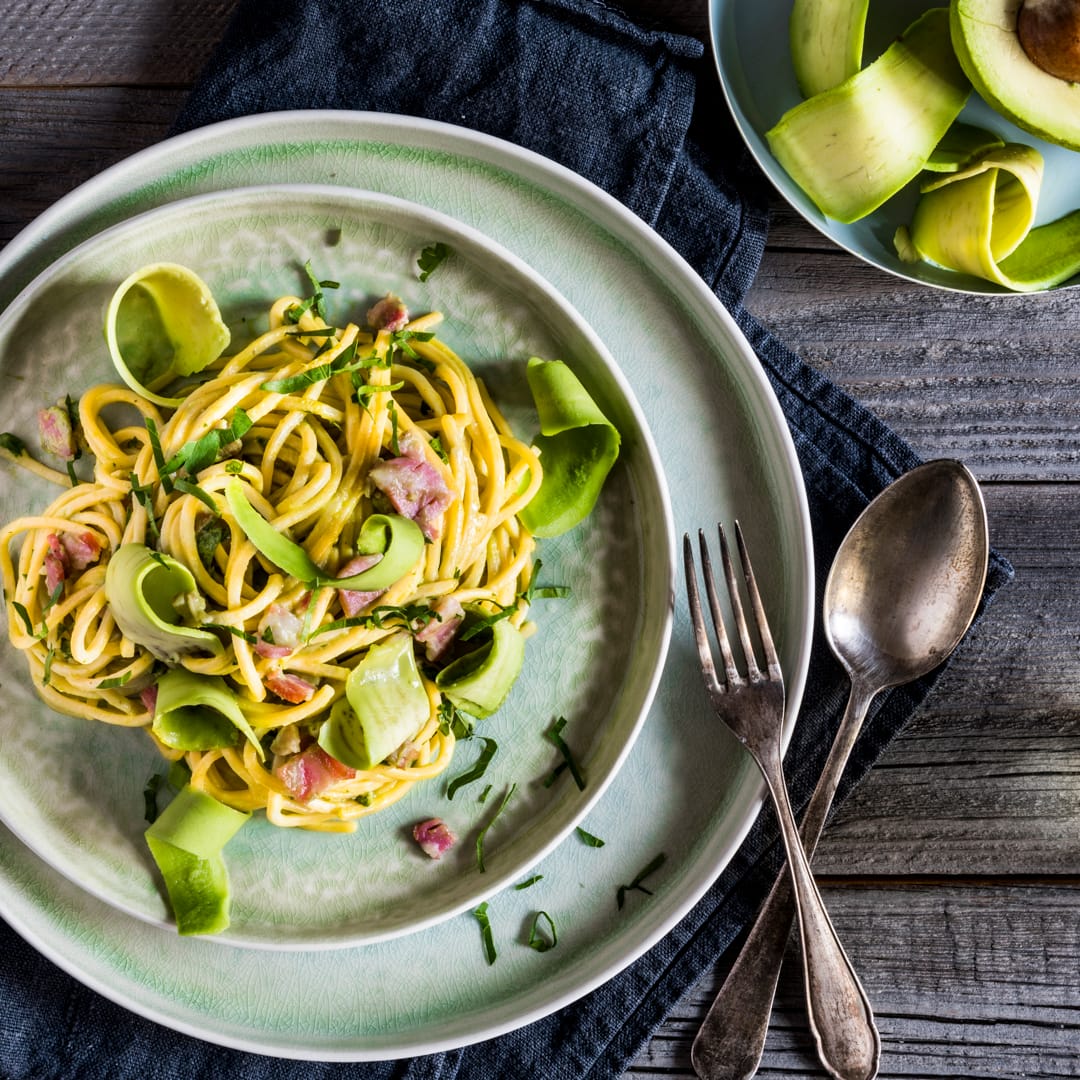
(975, 981)
(136, 42)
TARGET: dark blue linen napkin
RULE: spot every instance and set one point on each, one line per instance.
(638, 112)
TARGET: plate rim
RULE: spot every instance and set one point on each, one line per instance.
(607, 213)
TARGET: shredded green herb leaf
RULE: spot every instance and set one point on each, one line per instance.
(24, 615)
(477, 770)
(431, 258)
(437, 446)
(207, 538)
(46, 674)
(200, 453)
(316, 302)
(491, 821)
(528, 882)
(482, 797)
(453, 720)
(159, 457)
(554, 733)
(402, 340)
(344, 362)
(250, 638)
(588, 838)
(410, 616)
(114, 683)
(145, 497)
(486, 936)
(537, 939)
(636, 884)
(12, 444)
(189, 487)
(234, 467)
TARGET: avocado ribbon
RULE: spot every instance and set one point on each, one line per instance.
(979, 220)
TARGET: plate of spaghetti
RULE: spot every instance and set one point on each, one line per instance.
(345, 536)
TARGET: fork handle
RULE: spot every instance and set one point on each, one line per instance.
(731, 1039)
(839, 1012)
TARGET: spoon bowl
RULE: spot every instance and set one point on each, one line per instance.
(907, 579)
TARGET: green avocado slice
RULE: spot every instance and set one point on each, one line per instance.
(988, 47)
(826, 42)
(853, 147)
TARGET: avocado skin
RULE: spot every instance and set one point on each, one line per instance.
(988, 47)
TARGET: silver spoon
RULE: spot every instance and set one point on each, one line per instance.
(902, 591)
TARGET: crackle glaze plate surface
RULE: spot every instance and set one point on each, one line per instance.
(684, 790)
(752, 54)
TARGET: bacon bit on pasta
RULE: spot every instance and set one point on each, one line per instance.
(390, 313)
(68, 552)
(311, 772)
(279, 632)
(353, 601)
(416, 489)
(438, 635)
(434, 837)
(148, 697)
(56, 433)
(290, 688)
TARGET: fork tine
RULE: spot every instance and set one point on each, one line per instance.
(700, 636)
(731, 671)
(752, 669)
(771, 659)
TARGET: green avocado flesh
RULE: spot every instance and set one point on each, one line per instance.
(853, 147)
(989, 50)
(826, 42)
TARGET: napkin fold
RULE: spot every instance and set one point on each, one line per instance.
(638, 112)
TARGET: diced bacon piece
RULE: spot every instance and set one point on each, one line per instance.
(389, 313)
(354, 601)
(279, 632)
(81, 550)
(311, 772)
(434, 837)
(411, 444)
(416, 490)
(148, 697)
(56, 563)
(438, 635)
(290, 688)
(56, 433)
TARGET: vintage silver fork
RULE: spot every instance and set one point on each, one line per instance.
(752, 706)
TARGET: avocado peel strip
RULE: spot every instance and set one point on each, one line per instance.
(142, 586)
(980, 221)
(199, 712)
(385, 703)
(163, 324)
(832, 144)
(186, 842)
(578, 447)
(397, 538)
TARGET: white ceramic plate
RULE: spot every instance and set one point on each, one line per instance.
(685, 789)
(750, 45)
(72, 791)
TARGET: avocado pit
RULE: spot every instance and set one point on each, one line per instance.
(1049, 31)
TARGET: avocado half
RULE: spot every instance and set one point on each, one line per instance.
(985, 38)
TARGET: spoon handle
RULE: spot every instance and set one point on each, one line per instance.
(730, 1042)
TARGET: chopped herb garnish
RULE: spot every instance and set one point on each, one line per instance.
(437, 446)
(391, 408)
(636, 884)
(159, 457)
(491, 821)
(478, 769)
(189, 487)
(411, 616)
(250, 638)
(588, 838)
(478, 624)
(540, 941)
(528, 883)
(234, 466)
(70, 466)
(554, 733)
(366, 391)
(23, 614)
(431, 258)
(543, 592)
(209, 535)
(54, 598)
(46, 675)
(453, 721)
(481, 916)
(199, 454)
(482, 797)
(402, 340)
(153, 785)
(345, 361)
(115, 682)
(12, 444)
(316, 301)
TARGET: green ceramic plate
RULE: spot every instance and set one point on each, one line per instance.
(293, 888)
(685, 789)
(750, 45)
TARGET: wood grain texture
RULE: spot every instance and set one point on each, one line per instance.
(953, 872)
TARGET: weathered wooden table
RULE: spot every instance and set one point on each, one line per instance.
(953, 873)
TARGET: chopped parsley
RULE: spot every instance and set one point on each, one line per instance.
(636, 884)
(431, 258)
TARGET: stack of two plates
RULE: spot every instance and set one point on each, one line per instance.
(358, 947)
